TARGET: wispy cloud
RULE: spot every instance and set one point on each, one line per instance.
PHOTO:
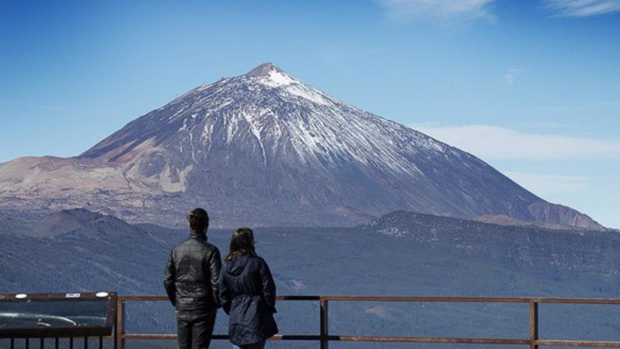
(443, 11)
(499, 143)
(548, 185)
(582, 8)
(511, 75)
(458, 12)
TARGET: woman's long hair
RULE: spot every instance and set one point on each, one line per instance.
(241, 243)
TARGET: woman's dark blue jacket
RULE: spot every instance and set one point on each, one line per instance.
(248, 296)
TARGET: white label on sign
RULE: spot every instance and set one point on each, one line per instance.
(72, 295)
(21, 296)
(102, 294)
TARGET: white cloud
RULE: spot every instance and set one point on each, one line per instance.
(511, 75)
(548, 185)
(443, 11)
(499, 143)
(582, 8)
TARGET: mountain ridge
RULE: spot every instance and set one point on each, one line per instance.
(440, 257)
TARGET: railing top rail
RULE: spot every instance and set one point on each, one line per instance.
(325, 337)
(415, 299)
(473, 299)
(164, 298)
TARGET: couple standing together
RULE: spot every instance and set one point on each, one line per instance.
(197, 285)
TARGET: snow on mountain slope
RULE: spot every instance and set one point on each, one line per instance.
(264, 148)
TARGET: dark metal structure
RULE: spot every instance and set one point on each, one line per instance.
(34, 334)
(60, 318)
(325, 337)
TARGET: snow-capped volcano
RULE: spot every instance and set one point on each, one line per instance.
(265, 148)
(278, 119)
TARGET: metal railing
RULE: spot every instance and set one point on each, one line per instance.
(325, 337)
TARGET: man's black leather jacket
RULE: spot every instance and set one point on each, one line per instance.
(191, 277)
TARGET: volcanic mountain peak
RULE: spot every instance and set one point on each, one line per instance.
(270, 75)
(273, 150)
(264, 70)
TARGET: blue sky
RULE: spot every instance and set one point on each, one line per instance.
(530, 86)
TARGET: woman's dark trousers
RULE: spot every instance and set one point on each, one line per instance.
(195, 328)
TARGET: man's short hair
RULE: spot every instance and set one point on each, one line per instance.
(198, 220)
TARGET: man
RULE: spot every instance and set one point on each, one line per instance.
(191, 282)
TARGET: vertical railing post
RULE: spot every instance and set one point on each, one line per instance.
(324, 323)
(533, 324)
(119, 329)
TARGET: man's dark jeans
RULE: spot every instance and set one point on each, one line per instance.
(195, 328)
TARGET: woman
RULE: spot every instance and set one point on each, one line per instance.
(247, 293)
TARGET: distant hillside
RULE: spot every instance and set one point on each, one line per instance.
(525, 246)
(82, 250)
(400, 253)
